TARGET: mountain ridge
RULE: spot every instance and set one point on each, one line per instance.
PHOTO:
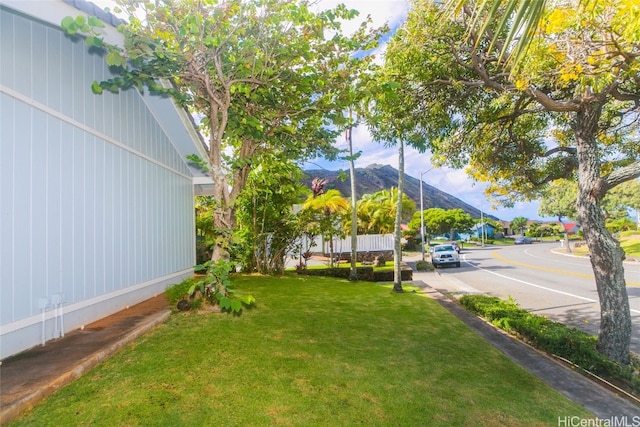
(376, 177)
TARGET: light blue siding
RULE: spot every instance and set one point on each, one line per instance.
(94, 197)
(54, 70)
(7, 186)
(7, 47)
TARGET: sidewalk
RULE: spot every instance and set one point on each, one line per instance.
(602, 402)
(30, 376)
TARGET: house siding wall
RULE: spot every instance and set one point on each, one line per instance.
(95, 202)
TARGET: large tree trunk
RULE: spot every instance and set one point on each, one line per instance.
(606, 255)
(226, 196)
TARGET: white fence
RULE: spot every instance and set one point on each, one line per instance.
(366, 243)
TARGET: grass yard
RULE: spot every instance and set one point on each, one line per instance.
(314, 351)
(630, 243)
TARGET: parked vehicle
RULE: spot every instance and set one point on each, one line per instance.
(445, 254)
(523, 241)
(455, 245)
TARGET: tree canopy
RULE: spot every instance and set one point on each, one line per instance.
(263, 75)
(568, 109)
(443, 221)
(519, 223)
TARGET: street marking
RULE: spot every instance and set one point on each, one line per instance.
(464, 257)
(551, 270)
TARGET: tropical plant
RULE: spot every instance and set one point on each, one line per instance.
(326, 211)
(377, 211)
(268, 228)
(519, 223)
(216, 288)
(205, 229)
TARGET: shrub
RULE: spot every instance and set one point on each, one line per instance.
(180, 290)
(214, 287)
(364, 273)
(424, 266)
(569, 343)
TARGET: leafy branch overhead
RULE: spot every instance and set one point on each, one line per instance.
(568, 109)
(265, 76)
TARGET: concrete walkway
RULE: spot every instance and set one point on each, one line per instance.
(31, 376)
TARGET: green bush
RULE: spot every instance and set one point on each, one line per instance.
(389, 275)
(424, 266)
(214, 287)
(569, 343)
(364, 273)
(180, 290)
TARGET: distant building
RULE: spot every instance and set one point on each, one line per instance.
(489, 230)
(570, 228)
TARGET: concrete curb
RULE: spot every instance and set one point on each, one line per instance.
(8, 412)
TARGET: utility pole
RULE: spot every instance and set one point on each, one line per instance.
(482, 225)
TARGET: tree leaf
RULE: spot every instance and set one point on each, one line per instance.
(225, 303)
(67, 24)
(96, 88)
(114, 59)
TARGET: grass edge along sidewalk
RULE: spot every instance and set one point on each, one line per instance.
(314, 351)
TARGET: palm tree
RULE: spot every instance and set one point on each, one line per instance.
(377, 211)
(330, 206)
(519, 223)
(519, 18)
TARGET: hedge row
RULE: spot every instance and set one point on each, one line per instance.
(364, 273)
(567, 342)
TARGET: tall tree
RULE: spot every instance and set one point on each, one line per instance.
(441, 221)
(267, 226)
(519, 223)
(622, 198)
(559, 200)
(262, 73)
(330, 208)
(568, 109)
(388, 127)
(353, 272)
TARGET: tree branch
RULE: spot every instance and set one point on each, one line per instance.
(616, 177)
(569, 150)
(551, 104)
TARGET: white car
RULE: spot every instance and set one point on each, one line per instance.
(444, 255)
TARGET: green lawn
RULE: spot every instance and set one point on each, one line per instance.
(313, 351)
(630, 243)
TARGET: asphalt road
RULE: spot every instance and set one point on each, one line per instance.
(543, 281)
